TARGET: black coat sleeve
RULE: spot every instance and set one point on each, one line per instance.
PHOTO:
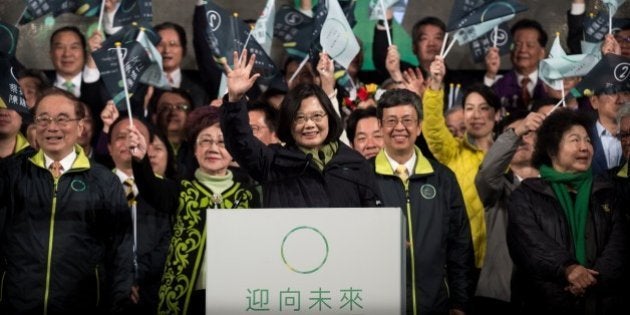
(530, 248)
(460, 253)
(250, 153)
(575, 33)
(161, 193)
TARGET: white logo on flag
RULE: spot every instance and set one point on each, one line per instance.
(214, 20)
(622, 71)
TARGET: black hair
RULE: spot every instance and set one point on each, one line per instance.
(538, 103)
(486, 92)
(122, 118)
(416, 30)
(170, 171)
(355, 117)
(531, 24)
(271, 114)
(510, 118)
(398, 97)
(551, 131)
(71, 29)
(181, 33)
(292, 103)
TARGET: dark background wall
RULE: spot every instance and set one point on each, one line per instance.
(33, 44)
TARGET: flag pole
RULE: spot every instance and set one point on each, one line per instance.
(124, 79)
(564, 103)
(449, 48)
(494, 38)
(298, 69)
(17, 23)
(555, 107)
(444, 44)
(100, 16)
(389, 36)
(610, 14)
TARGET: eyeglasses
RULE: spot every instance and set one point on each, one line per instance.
(44, 121)
(173, 107)
(316, 117)
(206, 143)
(392, 122)
(622, 39)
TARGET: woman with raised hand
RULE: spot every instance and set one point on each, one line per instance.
(566, 232)
(213, 186)
(462, 155)
(314, 168)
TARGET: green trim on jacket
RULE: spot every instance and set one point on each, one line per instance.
(82, 162)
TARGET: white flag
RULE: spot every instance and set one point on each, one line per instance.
(337, 38)
(263, 31)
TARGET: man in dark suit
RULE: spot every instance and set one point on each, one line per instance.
(521, 85)
(172, 47)
(75, 71)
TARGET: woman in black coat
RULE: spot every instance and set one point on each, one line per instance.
(313, 169)
(566, 233)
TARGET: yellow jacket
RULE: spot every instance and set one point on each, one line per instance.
(463, 158)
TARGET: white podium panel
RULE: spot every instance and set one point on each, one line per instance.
(305, 261)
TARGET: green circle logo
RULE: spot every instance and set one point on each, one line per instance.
(304, 250)
(78, 185)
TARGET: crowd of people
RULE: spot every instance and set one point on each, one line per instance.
(512, 204)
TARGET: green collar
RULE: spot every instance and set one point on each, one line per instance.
(20, 143)
(623, 172)
(81, 163)
(422, 167)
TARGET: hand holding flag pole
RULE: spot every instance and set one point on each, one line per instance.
(121, 63)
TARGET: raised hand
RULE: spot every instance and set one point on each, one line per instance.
(414, 81)
(493, 62)
(437, 70)
(136, 143)
(239, 79)
(326, 70)
(109, 115)
(610, 45)
(392, 63)
(532, 122)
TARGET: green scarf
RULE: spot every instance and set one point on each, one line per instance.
(329, 151)
(577, 212)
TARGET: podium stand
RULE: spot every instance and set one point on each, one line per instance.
(305, 261)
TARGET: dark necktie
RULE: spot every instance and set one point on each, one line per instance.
(525, 96)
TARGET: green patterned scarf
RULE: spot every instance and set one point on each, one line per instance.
(328, 151)
(577, 212)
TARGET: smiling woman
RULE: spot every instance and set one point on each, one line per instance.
(565, 230)
(313, 169)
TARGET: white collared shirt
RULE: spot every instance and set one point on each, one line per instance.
(66, 162)
(60, 81)
(123, 177)
(176, 75)
(611, 145)
(410, 164)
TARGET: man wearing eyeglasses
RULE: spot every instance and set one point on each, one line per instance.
(439, 245)
(64, 223)
(171, 110)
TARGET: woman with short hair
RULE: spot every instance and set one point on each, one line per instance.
(566, 233)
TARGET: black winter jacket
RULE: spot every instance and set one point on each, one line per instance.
(288, 176)
(65, 246)
(540, 243)
(442, 243)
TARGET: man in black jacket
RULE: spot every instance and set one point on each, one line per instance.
(440, 253)
(64, 223)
